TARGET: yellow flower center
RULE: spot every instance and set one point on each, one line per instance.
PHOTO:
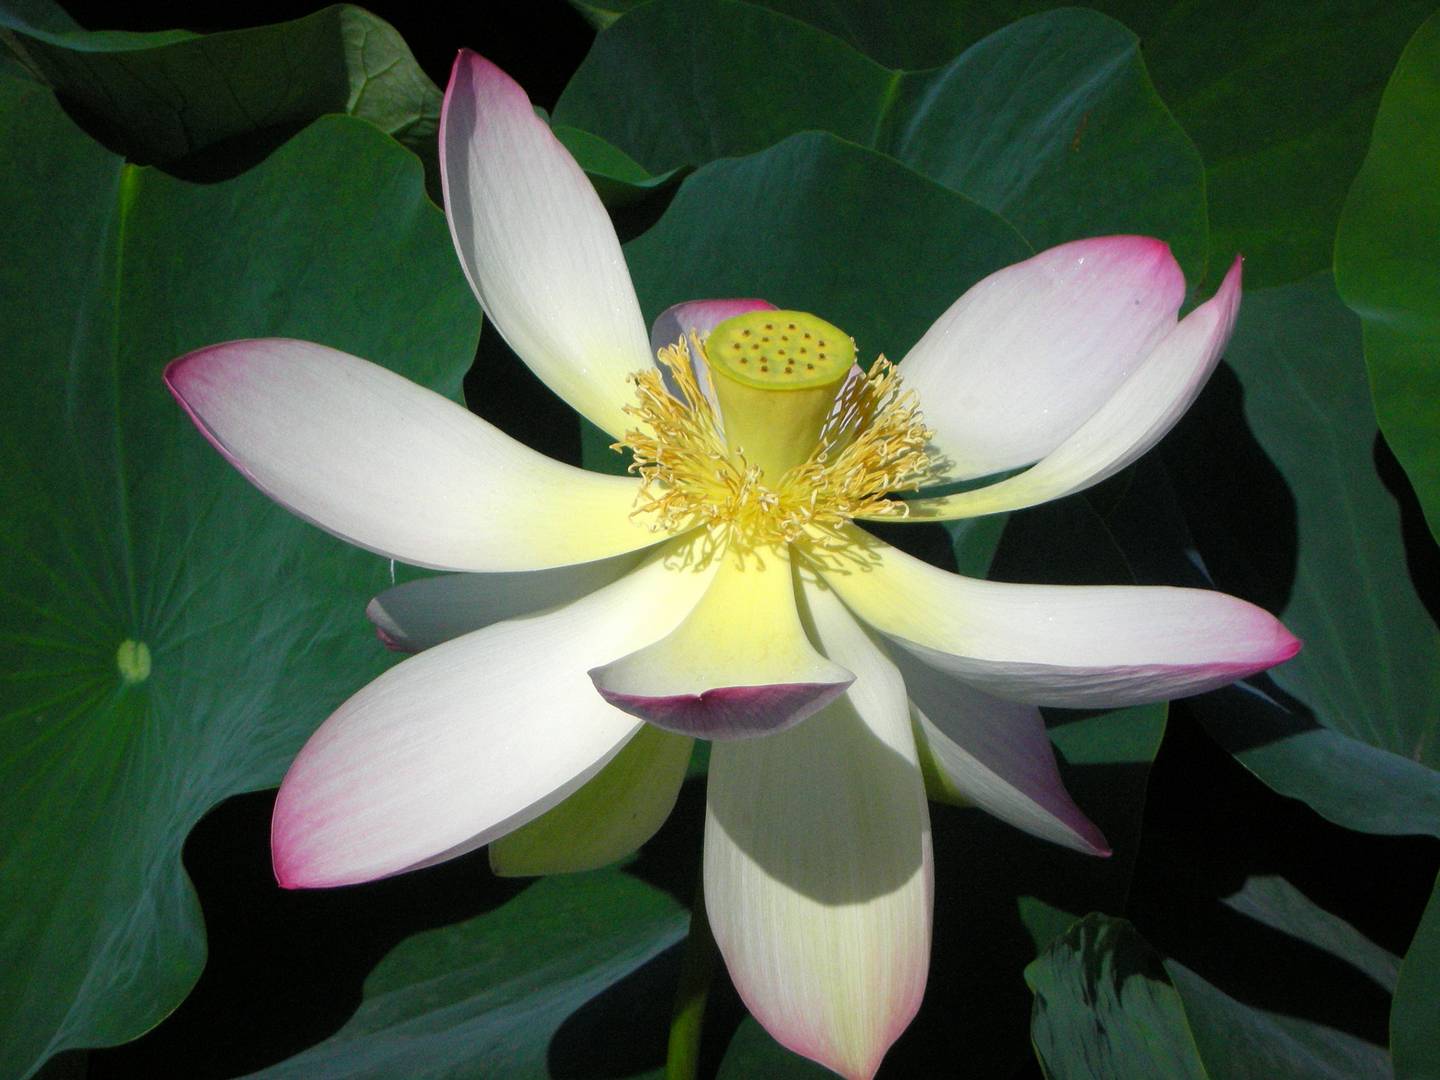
(807, 442)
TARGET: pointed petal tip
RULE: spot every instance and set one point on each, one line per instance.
(726, 712)
(1149, 258)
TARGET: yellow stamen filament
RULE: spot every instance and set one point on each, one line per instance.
(873, 443)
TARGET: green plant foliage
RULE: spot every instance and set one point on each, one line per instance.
(167, 96)
(1414, 1023)
(1106, 1010)
(1277, 96)
(1268, 1034)
(518, 991)
(1350, 725)
(1051, 123)
(171, 635)
(1387, 264)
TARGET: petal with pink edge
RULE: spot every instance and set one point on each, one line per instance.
(428, 611)
(464, 742)
(818, 874)
(537, 245)
(1136, 417)
(997, 755)
(617, 810)
(1071, 645)
(740, 665)
(394, 467)
(1025, 357)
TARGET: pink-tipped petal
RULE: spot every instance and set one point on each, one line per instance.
(997, 755)
(1025, 357)
(393, 467)
(1068, 645)
(428, 611)
(1137, 416)
(740, 665)
(537, 245)
(818, 874)
(469, 740)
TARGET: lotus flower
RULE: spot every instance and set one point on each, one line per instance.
(599, 623)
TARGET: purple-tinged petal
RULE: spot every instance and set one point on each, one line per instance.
(740, 665)
(1069, 645)
(469, 740)
(818, 873)
(537, 245)
(428, 611)
(1142, 410)
(996, 755)
(1025, 357)
(393, 467)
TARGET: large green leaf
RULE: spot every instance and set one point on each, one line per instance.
(1387, 264)
(1352, 724)
(1051, 123)
(1414, 1019)
(161, 97)
(172, 636)
(1107, 1004)
(1277, 96)
(1300, 1011)
(1106, 1010)
(516, 992)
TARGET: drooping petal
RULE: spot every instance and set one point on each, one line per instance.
(996, 754)
(393, 467)
(1136, 417)
(466, 741)
(1024, 358)
(818, 877)
(740, 664)
(425, 612)
(616, 811)
(537, 245)
(1070, 645)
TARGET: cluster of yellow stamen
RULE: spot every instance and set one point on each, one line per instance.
(872, 443)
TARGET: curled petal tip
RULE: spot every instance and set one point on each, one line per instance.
(726, 712)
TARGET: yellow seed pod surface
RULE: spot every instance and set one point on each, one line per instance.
(780, 350)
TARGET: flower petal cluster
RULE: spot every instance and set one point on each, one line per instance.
(563, 669)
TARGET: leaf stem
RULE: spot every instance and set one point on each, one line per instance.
(697, 968)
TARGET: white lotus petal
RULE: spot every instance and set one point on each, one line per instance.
(740, 665)
(818, 877)
(425, 612)
(1073, 645)
(393, 467)
(1142, 410)
(1028, 354)
(466, 741)
(537, 245)
(997, 755)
